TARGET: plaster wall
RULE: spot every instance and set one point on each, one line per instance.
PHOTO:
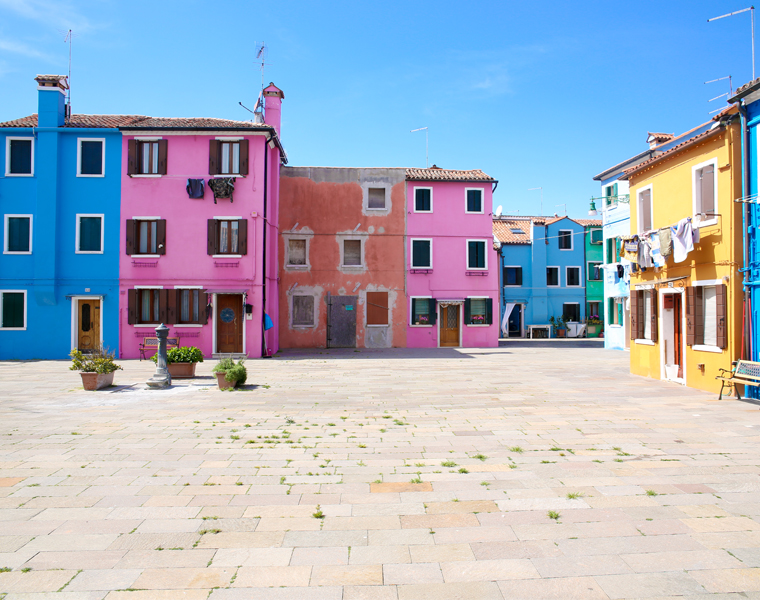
(616, 222)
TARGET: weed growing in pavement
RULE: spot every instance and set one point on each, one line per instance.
(553, 514)
(651, 493)
(209, 518)
(574, 495)
(448, 463)
(516, 449)
(463, 470)
(417, 479)
(481, 457)
(555, 449)
(318, 514)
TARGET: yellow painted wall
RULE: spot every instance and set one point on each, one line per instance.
(717, 256)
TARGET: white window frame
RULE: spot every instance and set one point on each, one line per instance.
(414, 199)
(559, 279)
(610, 186)
(5, 234)
(293, 325)
(467, 254)
(709, 220)
(2, 292)
(8, 156)
(146, 287)
(102, 233)
(365, 196)
(200, 308)
(145, 255)
(580, 277)
(503, 283)
(653, 297)
(411, 254)
(639, 213)
(350, 238)
(482, 201)
(708, 283)
(288, 239)
(590, 267)
(591, 236)
(572, 241)
(79, 157)
(478, 298)
(578, 304)
(411, 313)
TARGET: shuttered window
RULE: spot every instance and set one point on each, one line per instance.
(423, 200)
(376, 198)
(512, 276)
(706, 316)
(475, 201)
(596, 236)
(610, 193)
(149, 306)
(595, 271)
(296, 252)
(352, 253)
(12, 310)
(422, 256)
(476, 254)
(303, 311)
(189, 303)
(20, 161)
(615, 310)
(573, 276)
(645, 210)
(647, 316)
(228, 157)
(423, 311)
(18, 232)
(594, 310)
(227, 236)
(89, 233)
(152, 306)
(644, 323)
(377, 308)
(478, 311)
(704, 185)
(147, 157)
(146, 237)
(90, 157)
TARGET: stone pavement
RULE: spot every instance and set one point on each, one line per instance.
(509, 473)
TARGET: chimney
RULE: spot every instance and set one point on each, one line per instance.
(51, 100)
(273, 98)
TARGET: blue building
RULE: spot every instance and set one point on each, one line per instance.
(543, 272)
(59, 199)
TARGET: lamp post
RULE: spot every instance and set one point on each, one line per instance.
(161, 377)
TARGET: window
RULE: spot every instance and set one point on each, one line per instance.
(595, 272)
(571, 311)
(706, 317)
(644, 316)
(89, 234)
(91, 157)
(228, 157)
(147, 157)
(19, 156)
(423, 199)
(552, 276)
(476, 254)
(611, 255)
(13, 309)
(297, 253)
(179, 306)
(478, 311)
(422, 255)
(146, 236)
(610, 195)
(228, 236)
(596, 236)
(149, 306)
(474, 200)
(573, 277)
(423, 311)
(517, 231)
(512, 276)
(376, 198)
(18, 234)
(594, 310)
(189, 305)
(565, 239)
(303, 311)
(645, 209)
(705, 191)
(352, 253)
(377, 308)
(616, 311)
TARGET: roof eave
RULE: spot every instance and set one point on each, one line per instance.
(619, 166)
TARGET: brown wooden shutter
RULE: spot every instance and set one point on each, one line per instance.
(721, 314)
(202, 310)
(690, 317)
(243, 236)
(162, 147)
(172, 302)
(131, 236)
(161, 236)
(163, 304)
(243, 157)
(634, 314)
(653, 300)
(131, 157)
(211, 241)
(131, 307)
(213, 157)
(377, 308)
(699, 315)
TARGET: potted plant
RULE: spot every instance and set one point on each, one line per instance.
(230, 374)
(181, 361)
(96, 369)
(593, 325)
(559, 325)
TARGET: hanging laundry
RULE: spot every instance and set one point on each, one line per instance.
(666, 244)
(620, 271)
(630, 248)
(683, 240)
(645, 257)
(627, 274)
(654, 244)
(634, 267)
(195, 188)
(222, 187)
(695, 234)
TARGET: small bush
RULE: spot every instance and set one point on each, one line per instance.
(101, 361)
(188, 354)
(233, 372)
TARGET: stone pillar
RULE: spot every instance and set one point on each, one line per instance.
(161, 377)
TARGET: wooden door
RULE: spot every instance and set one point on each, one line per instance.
(677, 334)
(88, 325)
(450, 325)
(229, 323)
(341, 321)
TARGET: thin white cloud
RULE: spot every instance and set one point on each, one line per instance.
(7, 45)
(56, 14)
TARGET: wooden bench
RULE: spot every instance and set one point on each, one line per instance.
(743, 372)
(150, 343)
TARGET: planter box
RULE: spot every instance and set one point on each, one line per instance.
(96, 381)
(221, 379)
(181, 370)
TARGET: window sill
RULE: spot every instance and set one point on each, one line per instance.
(226, 256)
(352, 266)
(187, 325)
(88, 252)
(644, 342)
(512, 286)
(19, 174)
(12, 328)
(479, 269)
(430, 325)
(145, 175)
(423, 212)
(473, 212)
(297, 267)
(304, 326)
(16, 252)
(144, 256)
(145, 325)
(378, 209)
(573, 286)
(226, 176)
(477, 325)
(377, 325)
(706, 223)
(702, 348)
(85, 175)
(614, 326)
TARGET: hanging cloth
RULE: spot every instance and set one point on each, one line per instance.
(644, 258)
(505, 321)
(630, 248)
(683, 240)
(620, 271)
(195, 188)
(666, 244)
(654, 244)
(222, 187)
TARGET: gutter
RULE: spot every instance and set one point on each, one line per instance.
(264, 353)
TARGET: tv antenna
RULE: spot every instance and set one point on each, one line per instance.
(68, 37)
(425, 129)
(728, 94)
(751, 10)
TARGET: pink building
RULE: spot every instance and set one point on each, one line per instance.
(452, 283)
(198, 232)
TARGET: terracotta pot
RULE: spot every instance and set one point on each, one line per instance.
(96, 381)
(561, 332)
(221, 379)
(182, 370)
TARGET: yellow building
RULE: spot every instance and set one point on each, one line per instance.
(686, 317)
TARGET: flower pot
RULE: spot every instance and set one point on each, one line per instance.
(96, 381)
(182, 370)
(221, 379)
(562, 333)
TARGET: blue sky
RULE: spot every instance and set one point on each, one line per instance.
(535, 95)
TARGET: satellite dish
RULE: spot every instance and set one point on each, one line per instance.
(498, 210)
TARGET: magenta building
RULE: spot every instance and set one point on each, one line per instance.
(198, 232)
(452, 267)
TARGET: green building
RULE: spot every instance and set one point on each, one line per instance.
(594, 248)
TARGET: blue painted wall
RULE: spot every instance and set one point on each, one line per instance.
(751, 235)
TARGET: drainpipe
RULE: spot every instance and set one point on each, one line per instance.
(586, 232)
(745, 237)
(264, 353)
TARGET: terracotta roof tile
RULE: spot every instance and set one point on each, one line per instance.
(142, 122)
(110, 121)
(589, 222)
(435, 173)
(502, 229)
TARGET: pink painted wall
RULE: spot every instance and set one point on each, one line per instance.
(450, 227)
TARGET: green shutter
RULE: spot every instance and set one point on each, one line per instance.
(620, 312)
(13, 309)
(433, 311)
(489, 311)
(18, 234)
(89, 234)
(467, 312)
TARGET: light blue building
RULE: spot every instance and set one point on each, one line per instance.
(543, 272)
(60, 192)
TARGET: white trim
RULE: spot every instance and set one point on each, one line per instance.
(661, 337)
(102, 233)
(147, 139)
(1, 310)
(145, 256)
(146, 218)
(411, 314)
(50, 88)
(638, 206)
(703, 348)
(8, 156)
(578, 304)
(467, 254)
(644, 342)
(146, 325)
(75, 317)
(414, 199)
(229, 138)
(482, 324)
(102, 157)
(439, 324)
(226, 218)
(572, 241)
(482, 201)
(214, 349)
(226, 256)
(188, 287)
(510, 267)
(694, 169)
(707, 282)
(411, 254)
(580, 277)
(559, 279)
(148, 287)
(588, 270)
(145, 176)
(5, 233)
(227, 176)
(187, 324)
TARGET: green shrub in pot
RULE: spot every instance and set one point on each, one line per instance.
(186, 354)
(100, 361)
(233, 372)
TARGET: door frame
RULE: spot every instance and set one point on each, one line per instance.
(213, 318)
(75, 317)
(439, 321)
(661, 332)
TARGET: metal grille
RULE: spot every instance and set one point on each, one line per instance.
(748, 368)
(451, 318)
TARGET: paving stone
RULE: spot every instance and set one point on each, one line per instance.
(35, 581)
(649, 585)
(327, 575)
(183, 578)
(396, 487)
(481, 590)
(89, 559)
(295, 593)
(396, 574)
(320, 556)
(729, 580)
(488, 570)
(559, 588)
(296, 576)
(370, 592)
(681, 561)
(441, 553)
(103, 579)
(439, 521)
(467, 506)
(155, 559)
(251, 557)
